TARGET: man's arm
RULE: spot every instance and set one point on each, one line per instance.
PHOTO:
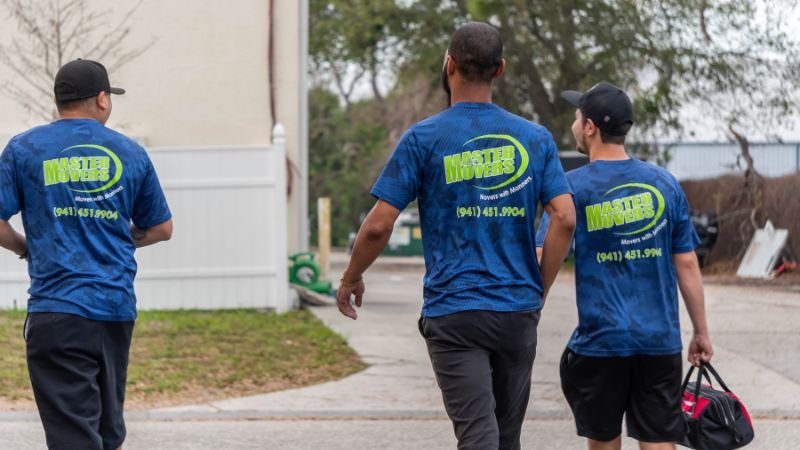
(143, 237)
(373, 235)
(12, 240)
(561, 210)
(690, 282)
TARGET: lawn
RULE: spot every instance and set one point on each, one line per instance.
(194, 356)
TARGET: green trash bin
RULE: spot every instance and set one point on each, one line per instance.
(406, 237)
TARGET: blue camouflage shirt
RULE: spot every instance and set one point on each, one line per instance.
(478, 173)
(79, 186)
(631, 218)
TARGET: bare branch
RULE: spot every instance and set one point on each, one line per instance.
(703, 28)
(52, 32)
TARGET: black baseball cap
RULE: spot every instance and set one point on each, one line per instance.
(608, 106)
(81, 79)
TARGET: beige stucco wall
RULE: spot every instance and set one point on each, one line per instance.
(204, 82)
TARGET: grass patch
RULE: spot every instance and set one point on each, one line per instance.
(194, 356)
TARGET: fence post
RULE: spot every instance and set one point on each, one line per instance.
(278, 243)
(324, 235)
(797, 157)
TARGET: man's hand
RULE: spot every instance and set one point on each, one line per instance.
(700, 349)
(561, 210)
(690, 282)
(345, 292)
(372, 237)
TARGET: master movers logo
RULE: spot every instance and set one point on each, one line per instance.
(498, 164)
(644, 206)
(104, 167)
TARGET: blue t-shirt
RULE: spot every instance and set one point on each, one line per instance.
(79, 186)
(631, 218)
(478, 173)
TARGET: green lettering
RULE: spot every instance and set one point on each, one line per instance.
(497, 154)
(608, 217)
(508, 152)
(50, 172)
(508, 166)
(619, 212)
(480, 170)
(452, 167)
(647, 205)
(628, 202)
(477, 157)
(102, 175)
(629, 215)
(497, 167)
(467, 172)
(63, 170)
(594, 217)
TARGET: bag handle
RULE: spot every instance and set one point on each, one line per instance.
(716, 375)
(700, 372)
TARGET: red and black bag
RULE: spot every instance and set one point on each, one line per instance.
(715, 420)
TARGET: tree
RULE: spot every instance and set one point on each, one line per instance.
(734, 62)
(53, 32)
(715, 54)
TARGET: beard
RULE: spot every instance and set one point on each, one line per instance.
(580, 145)
(446, 84)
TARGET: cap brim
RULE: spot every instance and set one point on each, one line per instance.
(117, 91)
(572, 97)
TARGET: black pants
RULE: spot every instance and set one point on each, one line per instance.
(78, 368)
(483, 362)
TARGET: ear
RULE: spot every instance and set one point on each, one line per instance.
(590, 129)
(451, 65)
(103, 101)
(501, 69)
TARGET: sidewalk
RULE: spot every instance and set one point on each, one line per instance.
(756, 337)
(396, 405)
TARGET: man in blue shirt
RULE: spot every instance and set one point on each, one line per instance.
(89, 197)
(478, 173)
(634, 243)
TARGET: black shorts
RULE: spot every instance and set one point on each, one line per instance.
(646, 389)
(78, 368)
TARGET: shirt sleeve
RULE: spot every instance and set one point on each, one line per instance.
(9, 188)
(542, 233)
(684, 236)
(554, 182)
(398, 183)
(150, 206)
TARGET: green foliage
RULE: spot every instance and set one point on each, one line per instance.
(344, 159)
(734, 61)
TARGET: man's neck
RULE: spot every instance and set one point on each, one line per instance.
(608, 152)
(471, 92)
(75, 115)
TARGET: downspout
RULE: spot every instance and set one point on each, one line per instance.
(303, 131)
(271, 81)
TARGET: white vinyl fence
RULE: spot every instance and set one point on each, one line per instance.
(228, 248)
